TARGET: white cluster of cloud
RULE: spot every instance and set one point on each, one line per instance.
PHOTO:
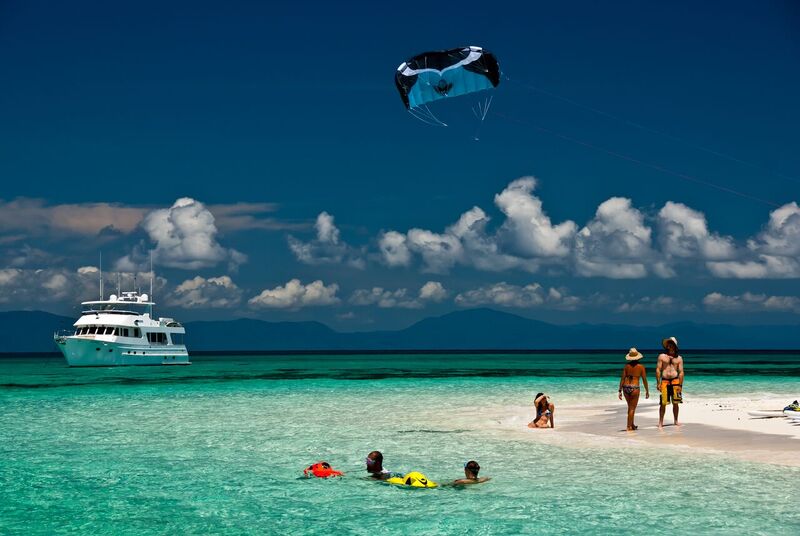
(31, 216)
(749, 301)
(432, 291)
(26, 255)
(22, 286)
(294, 295)
(36, 286)
(773, 254)
(527, 225)
(214, 293)
(683, 233)
(526, 238)
(617, 243)
(529, 296)
(35, 216)
(649, 304)
(393, 249)
(185, 237)
(327, 247)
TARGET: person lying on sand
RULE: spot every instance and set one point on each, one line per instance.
(471, 469)
(375, 466)
(629, 384)
(544, 412)
(669, 378)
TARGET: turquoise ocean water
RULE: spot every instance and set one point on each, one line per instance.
(217, 448)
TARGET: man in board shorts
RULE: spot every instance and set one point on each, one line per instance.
(669, 379)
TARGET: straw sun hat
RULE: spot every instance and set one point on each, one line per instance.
(669, 340)
(633, 355)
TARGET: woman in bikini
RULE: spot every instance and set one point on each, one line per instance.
(544, 412)
(629, 384)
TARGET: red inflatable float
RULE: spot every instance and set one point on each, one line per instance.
(321, 470)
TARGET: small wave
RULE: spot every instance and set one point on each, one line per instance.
(423, 431)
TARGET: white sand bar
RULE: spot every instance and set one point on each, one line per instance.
(713, 424)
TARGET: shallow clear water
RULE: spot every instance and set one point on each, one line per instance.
(217, 447)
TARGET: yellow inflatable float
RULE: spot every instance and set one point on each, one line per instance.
(413, 479)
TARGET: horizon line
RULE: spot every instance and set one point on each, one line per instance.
(447, 351)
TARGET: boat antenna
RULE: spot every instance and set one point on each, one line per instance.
(101, 276)
(119, 284)
(151, 275)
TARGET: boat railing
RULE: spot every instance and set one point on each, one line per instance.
(108, 312)
(60, 335)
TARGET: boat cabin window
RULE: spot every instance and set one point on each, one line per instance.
(137, 333)
(106, 330)
(157, 337)
(177, 338)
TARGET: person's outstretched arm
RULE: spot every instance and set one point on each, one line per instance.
(644, 379)
(621, 379)
(680, 370)
(658, 373)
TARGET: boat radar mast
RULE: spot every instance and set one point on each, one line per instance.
(101, 276)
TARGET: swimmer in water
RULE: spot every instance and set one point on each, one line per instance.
(471, 469)
(375, 466)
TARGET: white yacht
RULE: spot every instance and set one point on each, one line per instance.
(122, 331)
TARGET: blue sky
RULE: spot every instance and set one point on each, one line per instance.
(262, 117)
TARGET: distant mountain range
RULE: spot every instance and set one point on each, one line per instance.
(474, 329)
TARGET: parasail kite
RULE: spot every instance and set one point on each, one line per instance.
(432, 76)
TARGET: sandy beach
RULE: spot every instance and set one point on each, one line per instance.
(714, 425)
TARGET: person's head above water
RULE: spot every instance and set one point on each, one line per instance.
(471, 469)
(374, 462)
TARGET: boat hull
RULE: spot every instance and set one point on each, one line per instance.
(83, 352)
